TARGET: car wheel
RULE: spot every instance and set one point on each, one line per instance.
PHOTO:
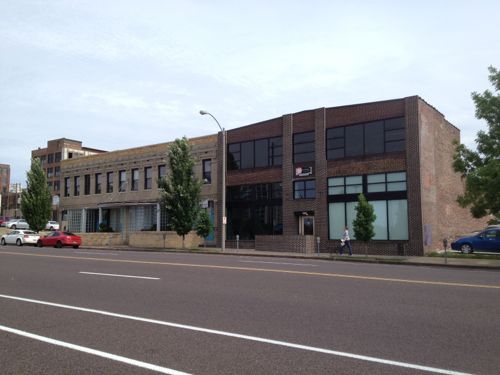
(466, 248)
(3, 242)
(39, 243)
(13, 227)
(59, 244)
(19, 242)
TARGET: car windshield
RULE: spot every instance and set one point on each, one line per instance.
(68, 234)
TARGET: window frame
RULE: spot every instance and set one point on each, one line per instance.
(302, 186)
(299, 144)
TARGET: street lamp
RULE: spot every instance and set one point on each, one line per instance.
(224, 219)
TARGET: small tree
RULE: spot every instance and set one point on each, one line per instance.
(481, 168)
(36, 200)
(204, 226)
(181, 190)
(365, 217)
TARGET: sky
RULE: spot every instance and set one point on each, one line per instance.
(118, 74)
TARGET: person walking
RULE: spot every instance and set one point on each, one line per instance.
(346, 241)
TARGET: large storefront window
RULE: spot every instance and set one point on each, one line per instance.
(386, 192)
(254, 210)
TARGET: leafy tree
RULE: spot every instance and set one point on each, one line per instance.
(481, 168)
(181, 190)
(204, 225)
(36, 200)
(365, 217)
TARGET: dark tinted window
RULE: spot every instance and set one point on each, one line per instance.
(354, 140)
(261, 153)
(374, 137)
(233, 156)
(247, 155)
(303, 147)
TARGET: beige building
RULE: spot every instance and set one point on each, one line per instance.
(51, 156)
(118, 190)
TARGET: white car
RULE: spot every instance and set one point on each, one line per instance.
(20, 237)
(52, 225)
(17, 224)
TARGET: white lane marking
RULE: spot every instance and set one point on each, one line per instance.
(88, 252)
(114, 357)
(244, 337)
(115, 275)
(283, 263)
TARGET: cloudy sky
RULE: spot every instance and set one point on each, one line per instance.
(117, 74)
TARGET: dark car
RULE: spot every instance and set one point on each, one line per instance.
(487, 241)
(60, 239)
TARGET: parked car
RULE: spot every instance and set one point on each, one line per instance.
(486, 241)
(60, 239)
(52, 225)
(3, 220)
(17, 224)
(20, 237)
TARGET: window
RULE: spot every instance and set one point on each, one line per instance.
(109, 182)
(57, 158)
(162, 171)
(260, 153)
(98, 183)
(386, 192)
(49, 185)
(207, 171)
(135, 179)
(305, 189)
(50, 172)
(50, 158)
(148, 178)
(87, 184)
(122, 181)
(76, 186)
(375, 137)
(43, 159)
(57, 186)
(57, 171)
(303, 147)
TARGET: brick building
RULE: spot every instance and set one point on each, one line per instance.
(296, 178)
(120, 188)
(4, 187)
(51, 157)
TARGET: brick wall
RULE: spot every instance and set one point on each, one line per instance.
(157, 240)
(289, 243)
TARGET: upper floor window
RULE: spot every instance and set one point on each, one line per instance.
(50, 158)
(57, 185)
(109, 182)
(207, 171)
(86, 188)
(370, 138)
(304, 189)
(98, 183)
(122, 177)
(374, 183)
(57, 171)
(303, 147)
(66, 186)
(148, 178)
(57, 157)
(267, 152)
(135, 179)
(76, 186)
(345, 185)
(162, 171)
(50, 172)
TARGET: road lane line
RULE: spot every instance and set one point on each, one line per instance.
(244, 337)
(282, 263)
(116, 275)
(93, 253)
(269, 270)
(114, 357)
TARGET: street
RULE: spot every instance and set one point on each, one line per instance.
(80, 311)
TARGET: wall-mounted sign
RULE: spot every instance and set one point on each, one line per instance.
(303, 171)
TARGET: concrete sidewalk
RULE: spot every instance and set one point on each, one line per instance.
(493, 264)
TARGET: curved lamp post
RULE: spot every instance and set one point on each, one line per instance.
(224, 219)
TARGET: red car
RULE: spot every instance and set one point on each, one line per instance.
(60, 239)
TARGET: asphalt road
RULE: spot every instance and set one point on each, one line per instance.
(66, 311)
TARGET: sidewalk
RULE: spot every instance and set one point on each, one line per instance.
(492, 264)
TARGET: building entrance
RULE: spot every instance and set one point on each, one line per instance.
(306, 225)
